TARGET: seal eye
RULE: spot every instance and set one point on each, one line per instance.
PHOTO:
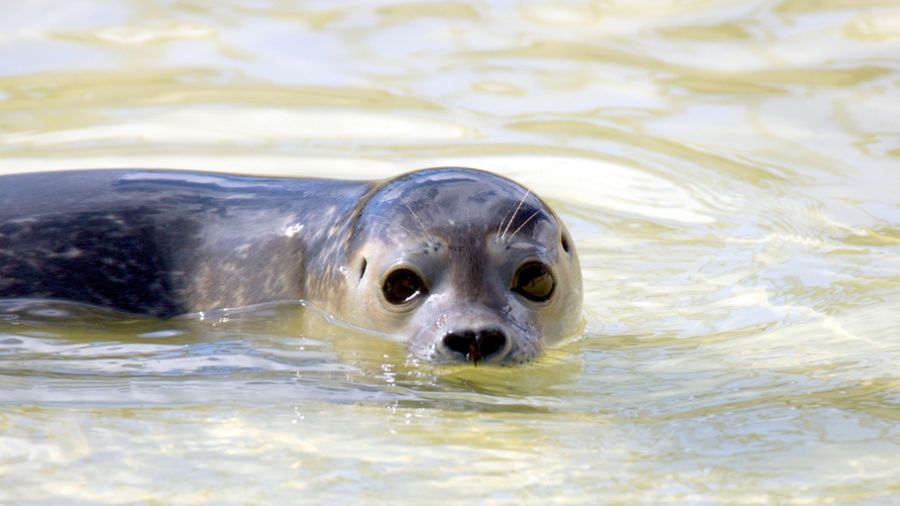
(534, 282)
(402, 286)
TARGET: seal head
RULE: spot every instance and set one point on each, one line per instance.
(468, 265)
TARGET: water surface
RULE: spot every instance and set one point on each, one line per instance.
(730, 172)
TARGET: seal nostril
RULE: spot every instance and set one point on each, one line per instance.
(475, 346)
(463, 342)
(490, 342)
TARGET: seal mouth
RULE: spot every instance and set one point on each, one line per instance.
(476, 346)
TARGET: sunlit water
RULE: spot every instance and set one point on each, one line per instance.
(730, 171)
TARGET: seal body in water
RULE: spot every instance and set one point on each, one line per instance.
(464, 264)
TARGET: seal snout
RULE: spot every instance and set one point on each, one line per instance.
(477, 345)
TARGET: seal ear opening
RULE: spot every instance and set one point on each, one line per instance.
(362, 268)
(565, 243)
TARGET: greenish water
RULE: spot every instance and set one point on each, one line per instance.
(730, 172)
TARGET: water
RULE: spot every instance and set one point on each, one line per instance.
(730, 172)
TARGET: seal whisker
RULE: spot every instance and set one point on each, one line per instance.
(419, 221)
(516, 212)
(405, 229)
(502, 222)
(523, 224)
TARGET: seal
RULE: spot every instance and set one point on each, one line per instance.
(467, 266)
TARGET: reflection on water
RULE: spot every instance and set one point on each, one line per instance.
(729, 171)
